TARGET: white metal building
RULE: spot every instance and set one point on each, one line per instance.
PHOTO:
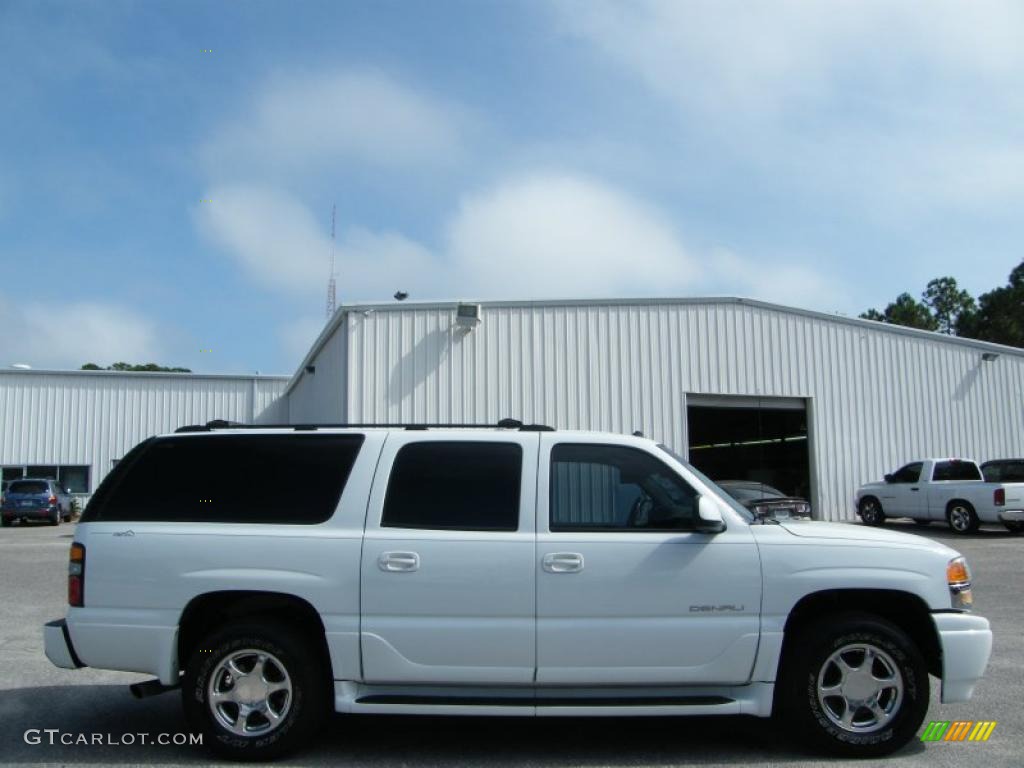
(75, 424)
(811, 402)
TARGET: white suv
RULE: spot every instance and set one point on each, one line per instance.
(275, 574)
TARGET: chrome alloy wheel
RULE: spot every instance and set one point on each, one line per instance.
(960, 518)
(250, 692)
(871, 512)
(860, 688)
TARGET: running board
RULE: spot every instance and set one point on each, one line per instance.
(523, 701)
(546, 701)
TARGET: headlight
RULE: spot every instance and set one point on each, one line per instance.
(958, 577)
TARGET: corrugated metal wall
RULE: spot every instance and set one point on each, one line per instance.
(876, 397)
(320, 396)
(91, 419)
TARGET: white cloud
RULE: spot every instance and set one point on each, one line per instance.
(788, 283)
(560, 235)
(759, 57)
(540, 235)
(897, 106)
(68, 335)
(279, 243)
(301, 121)
(269, 233)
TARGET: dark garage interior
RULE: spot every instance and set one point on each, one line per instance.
(764, 444)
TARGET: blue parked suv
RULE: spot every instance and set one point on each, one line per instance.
(35, 499)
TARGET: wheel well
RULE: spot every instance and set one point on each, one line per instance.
(907, 611)
(869, 497)
(206, 613)
(965, 502)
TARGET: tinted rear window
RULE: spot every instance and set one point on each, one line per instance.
(1004, 472)
(466, 486)
(295, 479)
(28, 486)
(956, 470)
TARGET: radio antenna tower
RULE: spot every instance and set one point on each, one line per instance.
(332, 282)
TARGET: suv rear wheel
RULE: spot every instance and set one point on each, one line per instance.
(854, 684)
(256, 690)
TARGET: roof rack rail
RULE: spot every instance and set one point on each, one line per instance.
(502, 424)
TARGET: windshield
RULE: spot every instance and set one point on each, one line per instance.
(739, 508)
(752, 492)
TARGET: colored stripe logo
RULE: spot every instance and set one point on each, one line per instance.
(958, 730)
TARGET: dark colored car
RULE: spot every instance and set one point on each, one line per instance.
(1003, 471)
(765, 501)
(35, 499)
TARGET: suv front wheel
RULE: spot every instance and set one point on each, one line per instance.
(255, 691)
(856, 685)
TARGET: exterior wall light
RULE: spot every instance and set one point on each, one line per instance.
(989, 357)
(468, 315)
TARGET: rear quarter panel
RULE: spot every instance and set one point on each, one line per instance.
(141, 576)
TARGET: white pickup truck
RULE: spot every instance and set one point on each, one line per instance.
(276, 575)
(942, 489)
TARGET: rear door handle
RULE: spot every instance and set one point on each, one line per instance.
(398, 562)
(563, 562)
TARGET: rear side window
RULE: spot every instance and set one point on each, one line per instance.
(450, 485)
(956, 470)
(29, 486)
(294, 479)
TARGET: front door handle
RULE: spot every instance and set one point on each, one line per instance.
(563, 562)
(398, 562)
(915, 489)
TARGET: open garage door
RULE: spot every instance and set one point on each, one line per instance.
(764, 439)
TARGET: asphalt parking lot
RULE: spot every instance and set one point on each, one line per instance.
(36, 695)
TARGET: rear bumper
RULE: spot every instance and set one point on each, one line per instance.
(966, 643)
(58, 646)
(1012, 516)
(43, 513)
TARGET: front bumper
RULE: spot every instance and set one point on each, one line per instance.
(58, 646)
(966, 643)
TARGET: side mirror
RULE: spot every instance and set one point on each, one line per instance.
(888, 478)
(709, 517)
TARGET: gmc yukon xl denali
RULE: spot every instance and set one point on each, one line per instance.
(278, 574)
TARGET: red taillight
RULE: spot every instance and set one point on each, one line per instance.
(53, 500)
(76, 576)
(999, 497)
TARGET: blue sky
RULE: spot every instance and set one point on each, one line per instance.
(824, 155)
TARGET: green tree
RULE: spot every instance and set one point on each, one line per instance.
(122, 366)
(947, 303)
(906, 310)
(999, 316)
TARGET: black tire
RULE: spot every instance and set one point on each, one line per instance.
(870, 511)
(55, 519)
(810, 661)
(1014, 527)
(303, 710)
(961, 517)
(4, 522)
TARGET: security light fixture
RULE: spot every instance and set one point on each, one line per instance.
(310, 369)
(468, 315)
(401, 295)
(989, 357)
